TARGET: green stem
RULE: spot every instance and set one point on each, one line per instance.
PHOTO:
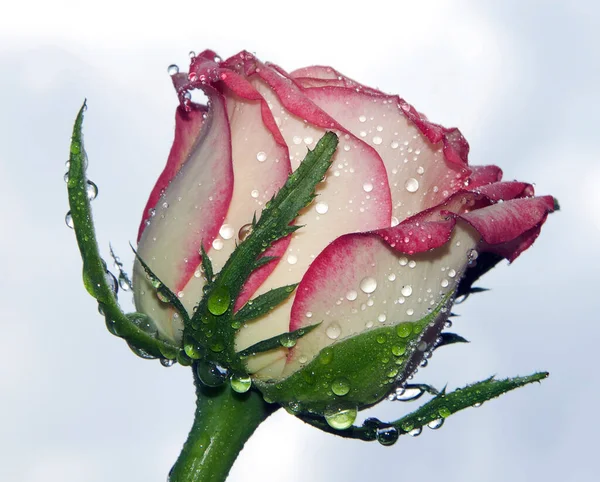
(223, 422)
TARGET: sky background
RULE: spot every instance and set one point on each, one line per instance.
(519, 78)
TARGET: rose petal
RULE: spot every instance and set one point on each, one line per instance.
(191, 211)
(420, 172)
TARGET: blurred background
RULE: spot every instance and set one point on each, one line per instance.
(519, 78)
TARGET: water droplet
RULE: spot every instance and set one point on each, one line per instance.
(368, 285)
(381, 318)
(351, 295)
(240, 384)
(287, 341)
(217, 244)
(411, 185)
(403, 261)
(340, 387)
(412, 263)
(162, 297)
(444, 283)
(477, 405)
(173, 69)
(447, 324)
(193, 350)
(326, 356)
(341, 419)
(403, 330)
(444, 412)
(435, 424)
(69, 220)
(165, 362)
(66, 176)
(472, 254)
(415, 432)
(292, 259)
(367, 187)
(392, 276)
(254, 193)
(211, 374)
(334, 330)
(261, 156)
(398, 350)
(244, 231)
(410, 312)
(420, 170)
(91, 190)
(308, 140)
(452, 273)
(297, 140)
(406, 290)
(394, 221)
(387, 436)
(321, 207)
(377, 140)
(362, 118)
(219, 300)
(226, 231)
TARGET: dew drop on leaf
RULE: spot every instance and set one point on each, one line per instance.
(387, 435)
(341, 419)
(240, 384)
(219, 300)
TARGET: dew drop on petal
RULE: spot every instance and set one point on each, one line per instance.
(381, 318)
(292, 259)
(412, 263)
(368, 285)
(261, 156)
(217, 244)
(444, 283)
(297, 140)
(410, 312)
(362, 118)
(367, 187)
(351, 295)
(394, 221)
(403, 261)
(321, 207)
(420, 170)
(377, 140)
(452, 273)
(392, 276)
(226, 231)
(308, 140)
(411, 185)
(334, 330)
(406, 290)
(254, 193)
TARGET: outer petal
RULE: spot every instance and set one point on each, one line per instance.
(321, 76)
(190, 212)
(424, 163)
(362, 279)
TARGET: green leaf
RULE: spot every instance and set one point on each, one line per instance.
(206, 265)
(434, 411)
(264, 303)
(451, 338)
(163, 289)
(287, 340)
(94, 268)
(263, 261)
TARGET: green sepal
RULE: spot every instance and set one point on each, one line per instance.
(206, 265)
(163, 289)
(287, 339)
(260, 262)
(437, 409)
(450, 338)
(370, 364)
(264, 303)
(94, 267)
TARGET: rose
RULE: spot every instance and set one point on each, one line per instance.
(396, 225)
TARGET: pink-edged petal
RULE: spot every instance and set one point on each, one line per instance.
(482, 175)
(260, 168)
(321, 76)
(359, 283)
(425, 163)
(506, 190)
(187, 128)
(515, 222)
(190, 212)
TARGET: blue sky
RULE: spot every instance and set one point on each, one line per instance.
(519, 78)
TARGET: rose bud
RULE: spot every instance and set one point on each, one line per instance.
(400, 225)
